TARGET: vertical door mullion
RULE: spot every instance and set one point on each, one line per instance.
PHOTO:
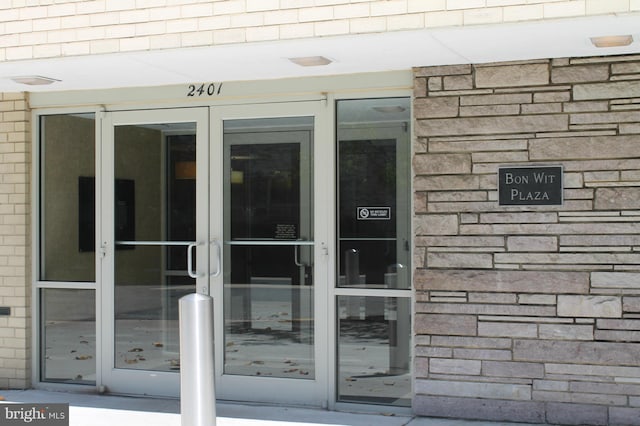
(105, 243)
(99, 158)
(215, 166)
(324, 222)
(203, 252)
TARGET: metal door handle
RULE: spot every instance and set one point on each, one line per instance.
(218, 256)
(190, 271)
(296, 257)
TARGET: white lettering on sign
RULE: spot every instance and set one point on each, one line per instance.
(374, 213)
(529, 195)
(285, 231)
(543, 178)
(510, 179)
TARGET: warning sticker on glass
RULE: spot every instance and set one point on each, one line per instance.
(374, 213)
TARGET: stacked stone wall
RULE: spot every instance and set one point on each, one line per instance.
(528, 313)
(15, 277)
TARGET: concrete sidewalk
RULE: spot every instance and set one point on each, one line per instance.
(104, 410)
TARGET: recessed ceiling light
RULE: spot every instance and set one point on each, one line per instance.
(612, 41)
(311, 61)
(34, 80)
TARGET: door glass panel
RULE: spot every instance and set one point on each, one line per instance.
(68, 333)
(154, 222)
(373, 204)
(180, 216)
(373, 350)
(268, 248)
(67, 198)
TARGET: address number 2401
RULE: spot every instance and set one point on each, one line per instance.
(204, 89)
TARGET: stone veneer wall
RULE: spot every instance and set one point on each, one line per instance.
(528, 313)
(15, 254)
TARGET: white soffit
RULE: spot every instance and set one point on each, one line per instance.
(390, 51)
(536, 40)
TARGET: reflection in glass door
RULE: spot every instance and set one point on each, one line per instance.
(269, 282)
(151, 268)
(156, 251)
(268, 350)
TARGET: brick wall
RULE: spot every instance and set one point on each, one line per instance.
(48, 28)
(528, 313)
(15, 276)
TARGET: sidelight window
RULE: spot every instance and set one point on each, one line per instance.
(373, 256)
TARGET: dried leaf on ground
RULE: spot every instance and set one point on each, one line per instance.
(83, 357)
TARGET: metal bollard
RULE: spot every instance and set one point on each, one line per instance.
(197, 389)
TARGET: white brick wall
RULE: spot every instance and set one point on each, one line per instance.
(40, 29)
(15, 288)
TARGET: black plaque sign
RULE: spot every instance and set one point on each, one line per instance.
(530, 186)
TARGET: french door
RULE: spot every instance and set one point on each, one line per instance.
(219, 202)
(154, 242)
(272, 288)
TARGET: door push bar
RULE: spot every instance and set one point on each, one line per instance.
(295, 243)
(190, 246)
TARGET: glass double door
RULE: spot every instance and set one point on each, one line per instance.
(218, 201)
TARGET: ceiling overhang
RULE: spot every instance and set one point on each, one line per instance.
(390, 51)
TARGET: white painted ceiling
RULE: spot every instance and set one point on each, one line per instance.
(350, 54)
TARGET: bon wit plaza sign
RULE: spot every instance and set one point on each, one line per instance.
(530, 186)
(34, 414)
